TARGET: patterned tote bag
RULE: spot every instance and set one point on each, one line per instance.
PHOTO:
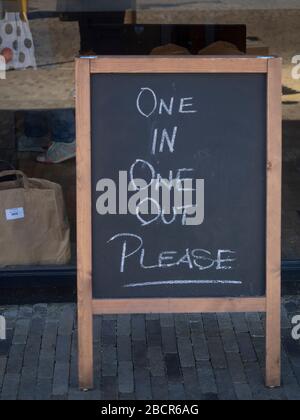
(16, 42)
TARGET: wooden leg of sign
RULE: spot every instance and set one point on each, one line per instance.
(84, 223)
(274, 163)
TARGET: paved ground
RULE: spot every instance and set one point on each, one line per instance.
(144, 357)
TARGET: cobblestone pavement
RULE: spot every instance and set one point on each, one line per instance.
(160, 357)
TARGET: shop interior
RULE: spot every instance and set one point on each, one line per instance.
(37, 98)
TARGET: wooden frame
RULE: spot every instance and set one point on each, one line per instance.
(270, 304)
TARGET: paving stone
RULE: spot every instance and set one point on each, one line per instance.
(211, 326)
(25, 311)
(153, 317)
(93, 395)
(50, 337)
(37, 326)
(225, 387)
(211, 397)
(195, 357)
(76, 395)
(176, 392)
(10, 386)
(186, 355)
(138, 328)
(256, 381)
(127, 397)
(153, 332)
(259, 344)
(224, 322)
(236, 368)
(109, 361)
(109, 329)
(46, 367)
(191, 384)
(124, 353)
(32, 351)
(21, 331)
(63, 348)
(11, 315)
(140, 353)
(159, 385)
(255, 326)
(217, 354)
(5, 345)
(142, 384)
(239, 323)
(124, 325)
(66, 322)
(125, 377)
(173, 368)
(207, 379)
(243, 392)
(200, 347)
(15, 360)
(169, 342)
(109, 388)
(285, 319)
(27, 385)
(61, 379)
(156, 362)
(196, 324)
(43, 390)
(182, 325)
(293, 348)
(167, 320)
(229, 340)
(97, 329)
(97, 366)
(3, 362)
(246, 347)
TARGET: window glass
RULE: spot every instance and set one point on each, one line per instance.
(39, 40)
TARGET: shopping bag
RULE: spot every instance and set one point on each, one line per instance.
(33, 222)
(16, 43)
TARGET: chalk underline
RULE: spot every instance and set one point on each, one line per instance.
(183, 282)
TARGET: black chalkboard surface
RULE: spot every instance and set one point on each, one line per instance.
(220, 138)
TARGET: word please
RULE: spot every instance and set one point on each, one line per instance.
(133, 248)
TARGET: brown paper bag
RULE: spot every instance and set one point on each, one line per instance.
(34, 229)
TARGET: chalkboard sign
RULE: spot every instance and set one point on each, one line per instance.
(219, 136)
(179, 167)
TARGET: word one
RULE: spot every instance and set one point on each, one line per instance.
(2, 328)
(2, 68)
(296, 329)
